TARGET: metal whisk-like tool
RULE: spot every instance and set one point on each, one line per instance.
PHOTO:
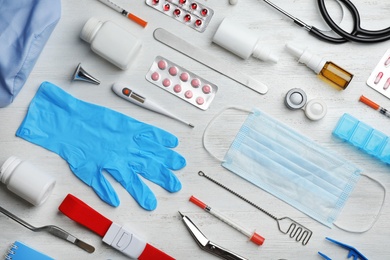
(286, 225)
(54, 230)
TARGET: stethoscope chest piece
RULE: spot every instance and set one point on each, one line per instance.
(315, 109)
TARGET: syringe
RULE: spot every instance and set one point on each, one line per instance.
(126, 93)
(253, 236)
(374, 105)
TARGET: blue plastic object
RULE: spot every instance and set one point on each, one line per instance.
(93, 138)
(25, 27)
(364, 137)
(353, 252)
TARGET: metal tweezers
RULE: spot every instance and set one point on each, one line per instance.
(206, 244)
(54, 230)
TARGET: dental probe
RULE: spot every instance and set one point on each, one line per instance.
(128, 94)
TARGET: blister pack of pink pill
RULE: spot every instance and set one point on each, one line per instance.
(191, 13)
(380, 76)
(181, 83)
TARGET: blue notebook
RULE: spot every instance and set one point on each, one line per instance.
(20, 251)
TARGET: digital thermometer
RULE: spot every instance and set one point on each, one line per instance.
(126, 93)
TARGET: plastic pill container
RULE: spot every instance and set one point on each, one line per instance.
(111, 42)
(26, 181)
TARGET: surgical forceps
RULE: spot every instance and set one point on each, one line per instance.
(206, 244)
(358, 34)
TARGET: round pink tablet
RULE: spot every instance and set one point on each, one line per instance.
(184, 76)
(173, 71)
(195, 83)
(188, 94)
(162, 64)
(199, 100)
(206, 89)
(177, 88)
(166, 82)
(155, 76)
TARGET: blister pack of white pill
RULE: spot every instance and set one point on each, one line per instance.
(191, 13)
(181, 83)
(380, 76)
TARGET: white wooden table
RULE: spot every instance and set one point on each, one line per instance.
(163, 227)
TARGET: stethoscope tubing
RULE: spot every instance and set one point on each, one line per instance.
(358, 33)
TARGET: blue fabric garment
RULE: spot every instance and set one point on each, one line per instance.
(93, 139)
(25, 27)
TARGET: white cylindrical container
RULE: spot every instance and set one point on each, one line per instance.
(241, 41)
(26, 181)
(111, 42)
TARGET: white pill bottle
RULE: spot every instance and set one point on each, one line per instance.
(26, 181)
(111, 42)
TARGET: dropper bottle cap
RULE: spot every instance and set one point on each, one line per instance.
(241, 41)
(314, 62)
(264, 54)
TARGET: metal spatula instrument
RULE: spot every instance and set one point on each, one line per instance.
(286, 225)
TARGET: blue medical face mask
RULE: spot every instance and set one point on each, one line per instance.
(292, 167)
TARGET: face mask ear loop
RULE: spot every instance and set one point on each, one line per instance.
(211, 122)
(377, 215)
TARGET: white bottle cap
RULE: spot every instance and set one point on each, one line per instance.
(241, 41)
(26, 181)
(8, 167)
(90, 29)
(264, 54)
(314, 62)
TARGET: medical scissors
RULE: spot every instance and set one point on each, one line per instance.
(358, 34)
(206, 244)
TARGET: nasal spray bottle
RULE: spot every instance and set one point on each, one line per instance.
(326, 70)
(241, 41)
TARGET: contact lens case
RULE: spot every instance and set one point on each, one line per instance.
(191, 13)
(181, 83)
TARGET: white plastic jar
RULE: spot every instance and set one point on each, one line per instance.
(111, 42)
(26, 181)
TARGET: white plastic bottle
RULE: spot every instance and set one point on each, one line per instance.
(241, 41)
(111, 42)
(26, 181)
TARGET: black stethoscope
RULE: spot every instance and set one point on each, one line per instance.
(358, 33)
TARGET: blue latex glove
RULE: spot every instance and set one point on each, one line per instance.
(25, 27)
(92, 138)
